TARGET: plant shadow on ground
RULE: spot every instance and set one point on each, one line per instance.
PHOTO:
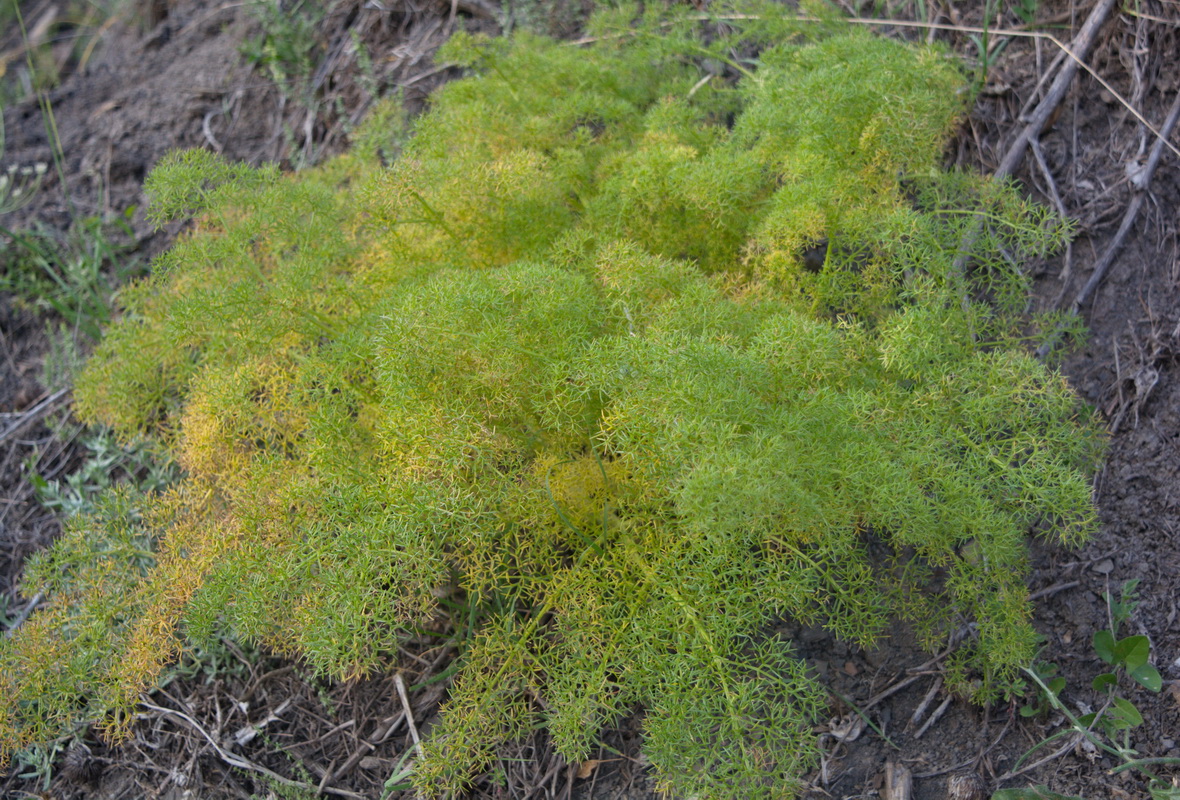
(181, 80)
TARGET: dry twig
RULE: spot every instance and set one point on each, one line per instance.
(40, 409)
(1143, 179)
(243, 763)
(1077, 50)
(935, 717)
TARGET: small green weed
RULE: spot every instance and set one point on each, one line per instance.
(6, 619)
(64, 358)
(1032, 793)
(1026, 10)
(36, 761)
(1039, 705)
(288, 52)
(1109, 728)
(1128, 655)
(74, 277)
(18, 184)
(287, 49)
(988, 51)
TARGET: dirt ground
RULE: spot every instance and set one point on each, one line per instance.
(173, 74)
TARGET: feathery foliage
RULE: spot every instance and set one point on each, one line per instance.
(564, 366)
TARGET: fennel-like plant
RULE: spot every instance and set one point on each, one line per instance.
(563, 364)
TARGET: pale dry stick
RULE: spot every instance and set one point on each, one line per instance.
(274, 673)
(24, 614)
(42, 407)
(207, 130)
(1143, 179)
(935, 717)
(539, 786)
(1066, 271)
(897, 687)
(1153, 18)
(1069, 745)
(329, 734)
(1054, 589)
(367, 746)
(955, 637)
(1139, 51)
(426, 74)
(926, 701)
(32, 41)
(971, 762)
(1039, 61)
(242, 763)
(247, 733)
(899, 782)
(95, 38)
(1079, 49)
(401, 692)
(1032, 98)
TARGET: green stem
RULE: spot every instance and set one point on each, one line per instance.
(1135, 763)
(719, 663)
(1086, 732)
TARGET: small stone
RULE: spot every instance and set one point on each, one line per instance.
(1104, 567)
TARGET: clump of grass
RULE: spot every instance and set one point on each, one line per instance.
(73, 277)
(563, 371)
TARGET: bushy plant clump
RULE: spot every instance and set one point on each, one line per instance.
(564, 371)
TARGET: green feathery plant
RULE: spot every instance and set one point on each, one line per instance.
(565, 372)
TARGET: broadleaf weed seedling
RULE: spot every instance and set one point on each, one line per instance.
(37, 762)
(1109, 728)
(286, 48)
